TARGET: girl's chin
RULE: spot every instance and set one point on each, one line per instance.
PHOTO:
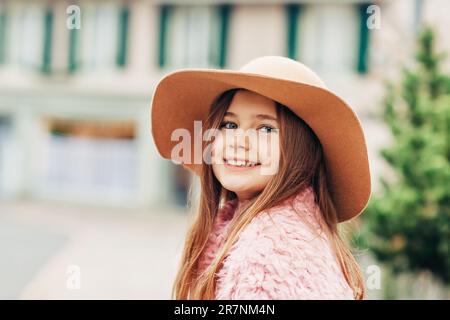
(242, 187)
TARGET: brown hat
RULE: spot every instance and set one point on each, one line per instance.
(186, 95)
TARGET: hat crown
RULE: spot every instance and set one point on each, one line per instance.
(283, 68)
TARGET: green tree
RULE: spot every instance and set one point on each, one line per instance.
(407, 225)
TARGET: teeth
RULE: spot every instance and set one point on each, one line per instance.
(241, 163)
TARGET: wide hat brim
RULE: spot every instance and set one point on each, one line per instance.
(186, 95)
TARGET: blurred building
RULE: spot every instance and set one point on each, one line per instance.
(74, 103)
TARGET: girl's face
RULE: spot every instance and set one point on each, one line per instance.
(246, 153)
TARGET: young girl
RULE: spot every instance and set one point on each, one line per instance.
(287, 163)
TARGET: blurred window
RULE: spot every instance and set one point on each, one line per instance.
(193, 36)
(101, 42)
(26, 35)
(89, 158)
(329, 37)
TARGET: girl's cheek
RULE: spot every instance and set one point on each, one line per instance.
(217, 149)
(268, 149)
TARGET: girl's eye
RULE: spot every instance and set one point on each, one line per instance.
(267, 129)
(228, 125)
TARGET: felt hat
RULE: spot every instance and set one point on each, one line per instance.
(186, 95)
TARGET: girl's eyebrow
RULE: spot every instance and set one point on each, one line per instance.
(258, 116)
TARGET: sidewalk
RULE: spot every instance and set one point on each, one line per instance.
(121, 254)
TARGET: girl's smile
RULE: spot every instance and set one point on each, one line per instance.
(240, 164)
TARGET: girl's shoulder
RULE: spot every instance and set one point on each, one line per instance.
(298, 217)
(283, 253)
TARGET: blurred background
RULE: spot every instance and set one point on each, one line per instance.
(88, 209)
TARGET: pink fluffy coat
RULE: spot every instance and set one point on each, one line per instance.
(283, 253)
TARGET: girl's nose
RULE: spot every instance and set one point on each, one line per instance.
(239, 140)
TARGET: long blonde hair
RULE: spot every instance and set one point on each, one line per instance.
(301, 164)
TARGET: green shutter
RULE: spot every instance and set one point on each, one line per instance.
(163, 27)
(293, 12)
(2, 36)
(48, 30)
(123, 33)
(224, 11)
(362, 65)
(73, 43)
